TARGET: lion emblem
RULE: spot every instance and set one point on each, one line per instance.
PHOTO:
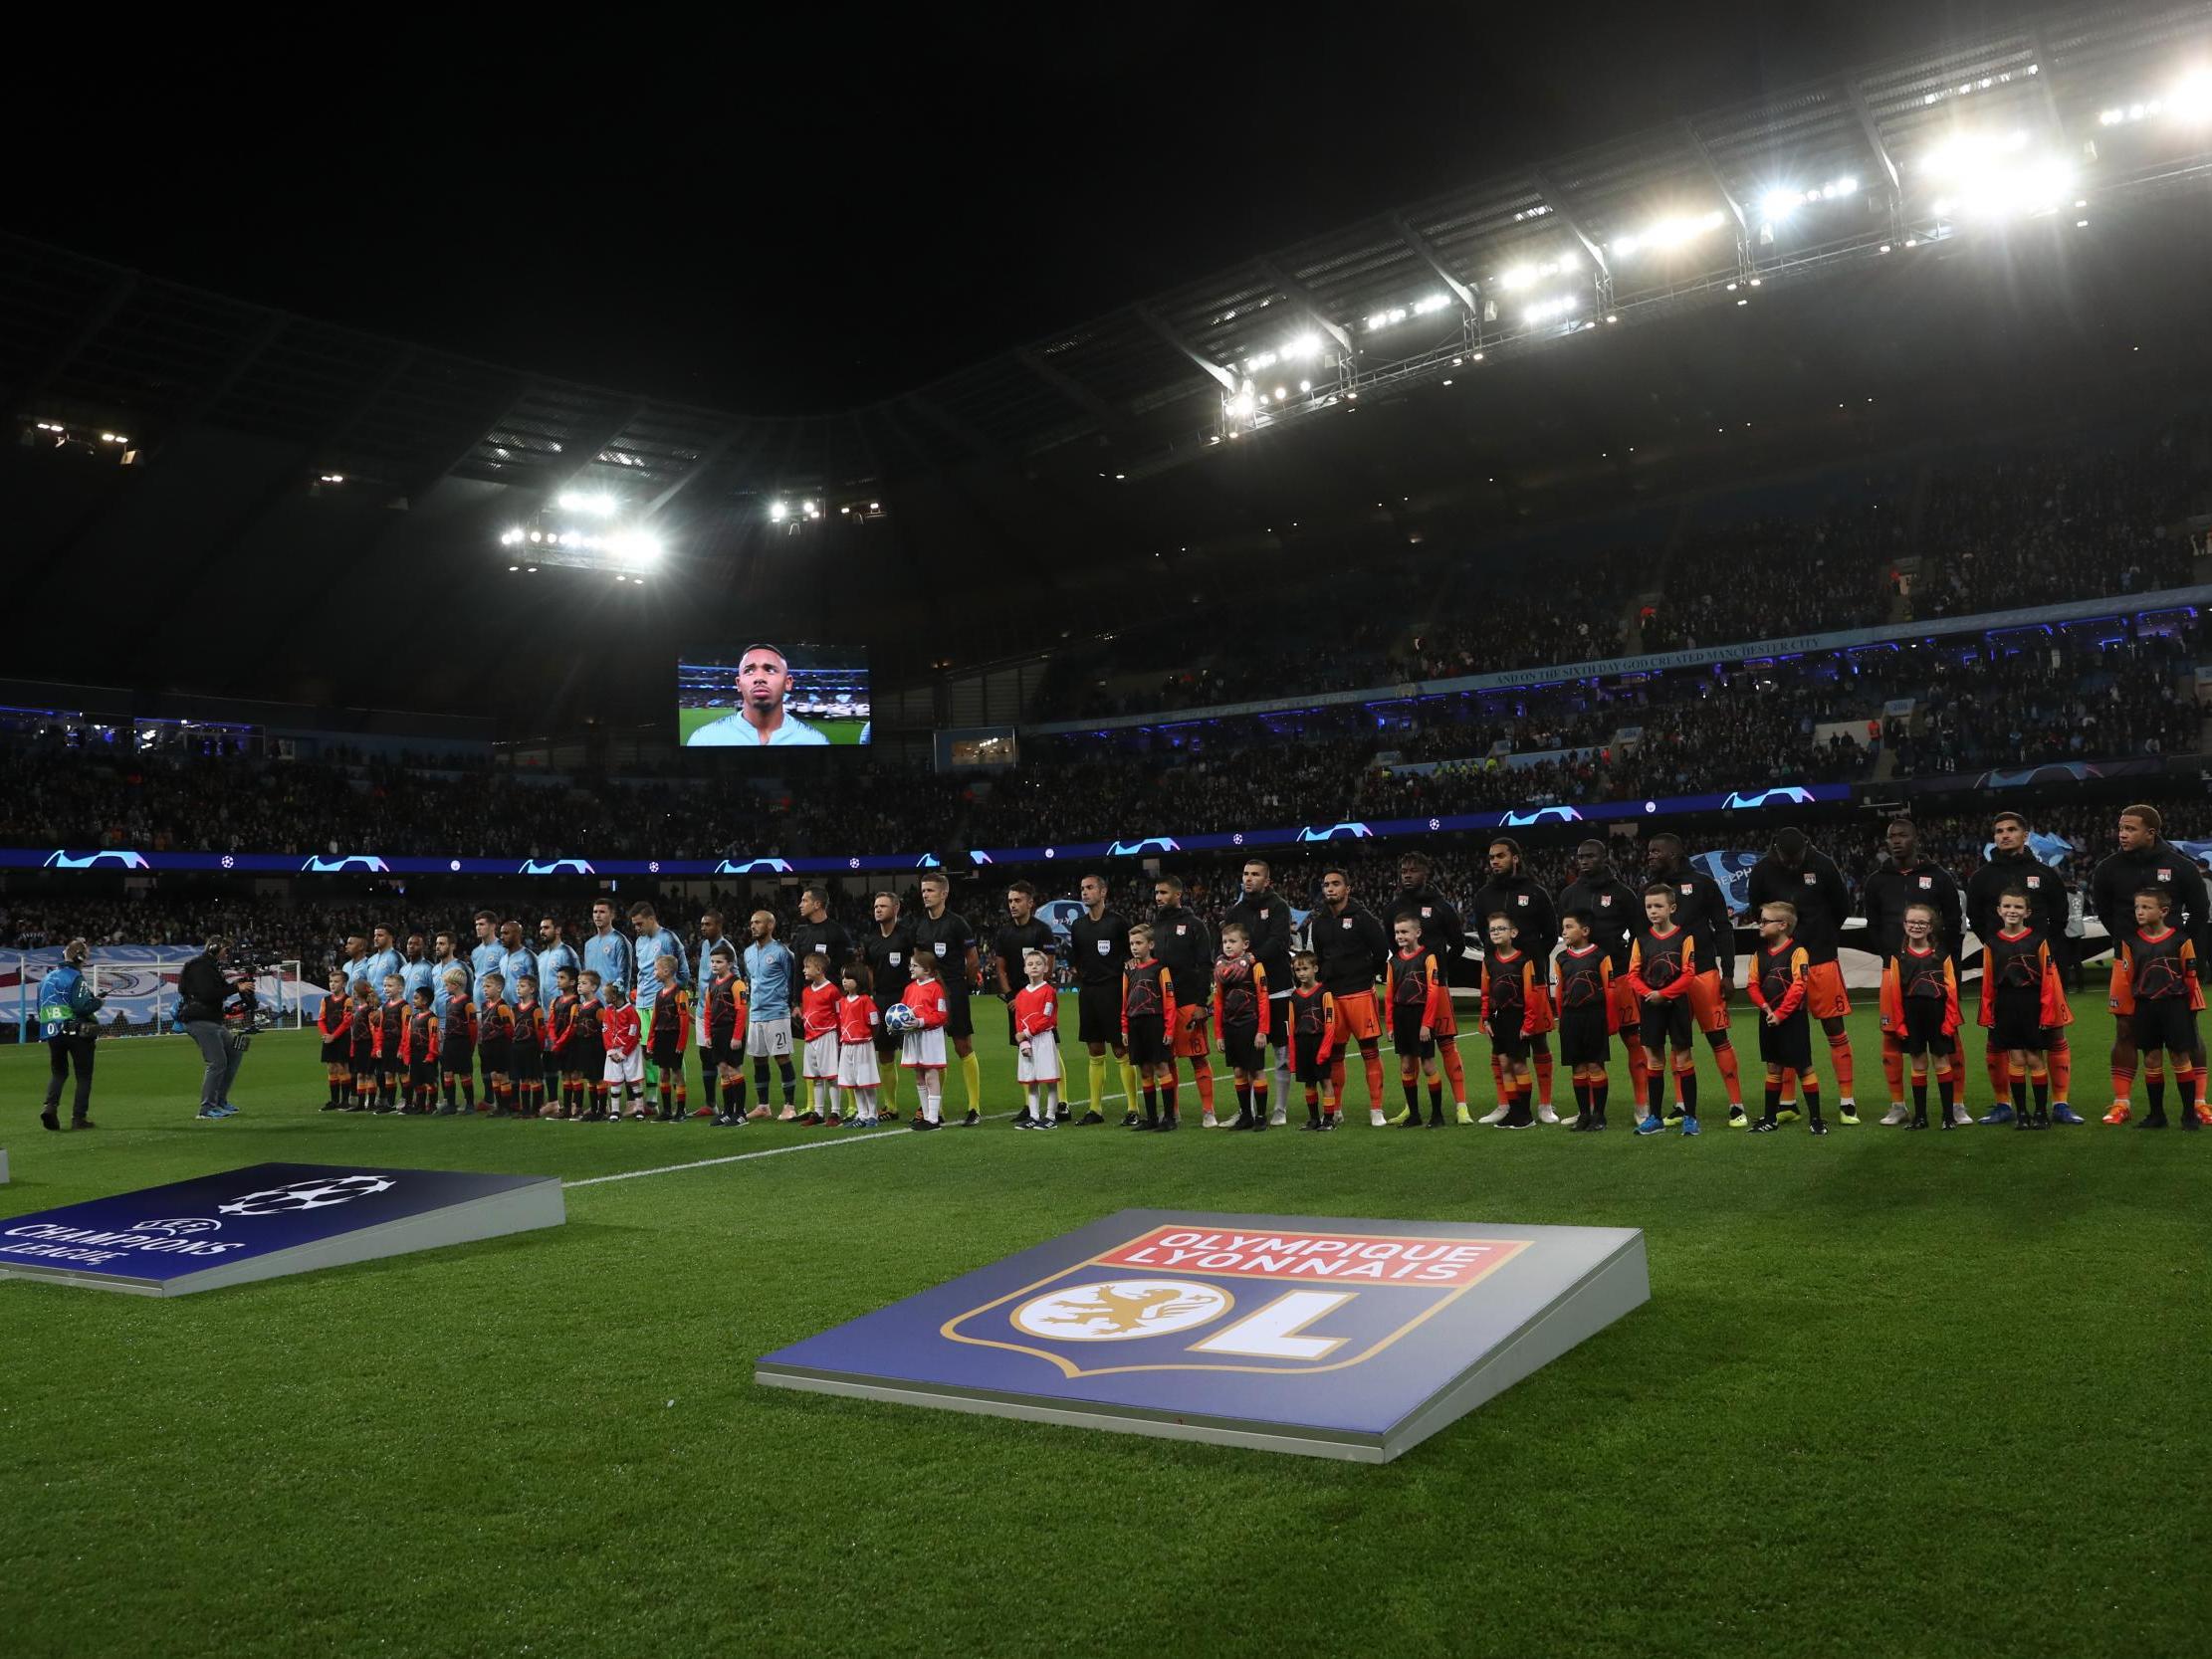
(1118, 1309)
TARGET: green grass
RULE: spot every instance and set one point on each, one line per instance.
(1895, 1393)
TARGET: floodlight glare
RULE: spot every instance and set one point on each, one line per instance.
(1520, 275)
(2192, 100)
(1778, 205)
(780, 511)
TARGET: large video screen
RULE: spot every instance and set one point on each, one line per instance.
(773, 695)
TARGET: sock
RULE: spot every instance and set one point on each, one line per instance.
(1243, 1101)
(338, 1092)
(1725, 1058)
(2154, 1085)
(1543, 1077)
(1944, 1092)
(2124, 1083)
(1789, 1088)
(1374, 1059)
(1497, 1077)
(1686, 1081)
(1098, 1083)
(1201, 1073)
(1812, 1101)
(2060, 1066)
(1130, 1086)
(1313, 1104)
(1335, 1079)
(788, 1075)
(1412, 1096)
(1435, 1098)
(931, 1087)
(683, 1099)
(1259, 1096)
(1654, 1093)
(1029, 1101)
(2000, 1084)
(1152, 1104)
(1597, 1092)
(1838, 1051)
(2042, 1088)
(1774, 1101)
(1892, 1069)
(2019, 1093)
(972, 1079)
(468, 1093)
(708, 1084)
(1455, 1071)
(1921, 1098)
(2185, 1080)
(1582, 1097)
(1638, 1065)
(1167, 1092)
(2154, 1072)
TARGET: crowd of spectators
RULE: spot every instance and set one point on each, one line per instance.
(1773, 577)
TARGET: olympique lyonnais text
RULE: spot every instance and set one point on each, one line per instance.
(1314, 1256)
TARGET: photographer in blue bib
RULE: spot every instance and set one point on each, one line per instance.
(69, 1020)
(203, 988)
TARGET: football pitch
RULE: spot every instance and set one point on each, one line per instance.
(1894, 1392)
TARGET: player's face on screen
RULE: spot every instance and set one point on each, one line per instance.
(2009, 836)
(763, 680)
(1335, 888)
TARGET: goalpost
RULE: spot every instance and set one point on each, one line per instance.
(143, 1010)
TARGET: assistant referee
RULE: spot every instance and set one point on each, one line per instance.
(1098, 944)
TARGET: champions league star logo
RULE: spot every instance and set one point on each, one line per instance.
(307, 1195)
(181, 1227)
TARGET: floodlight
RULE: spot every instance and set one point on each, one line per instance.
(1520, 275)
(635, 548)
(2192, 100)
(1778, 205)
(780, 511)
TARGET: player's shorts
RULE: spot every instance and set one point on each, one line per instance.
(720, 1056)
(1507, 1038)
(457, 1057)
(423, 1074)
(586, 1057)
(1406, 1037)
(923, 1049)
(1307, 1065)
(821, 1057)
(666, 1050)
(496, 1054)
(2165, 1022)
(337, 1052)
(2016, 1019)
(1664, 1022)
(1923, 1026)
(1042, 1063)
(1355, 1019)
(769, 1039)
(1193, 1036)
(1098, 1013)
(1148, 1040)
(1583, 1038)
(856, 1065)
(1709, 1009)
(552, 1062)
(1789, 1044)
(960, 1017)
(625, 1068)
(2122, 993)
(1825, 996)
(1241, 1048)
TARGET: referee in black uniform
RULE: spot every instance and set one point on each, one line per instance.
(819, 931)
(888, 949)
(1023, 931)
(1098, 943)
(945, 933)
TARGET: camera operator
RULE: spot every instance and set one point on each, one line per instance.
(69, 1020)
(202, 989)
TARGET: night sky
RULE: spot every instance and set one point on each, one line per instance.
(806, 216)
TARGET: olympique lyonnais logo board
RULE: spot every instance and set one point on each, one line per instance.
(267, 1220)
(1336, 1339)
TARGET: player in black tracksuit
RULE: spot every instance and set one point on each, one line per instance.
(1908, 879)
(2146, 859)
(1614, 910)
(2012, 864)
(1444, 936)
(1180, 940)
(1702, 910)
(1535, 934)
(1265, 914)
